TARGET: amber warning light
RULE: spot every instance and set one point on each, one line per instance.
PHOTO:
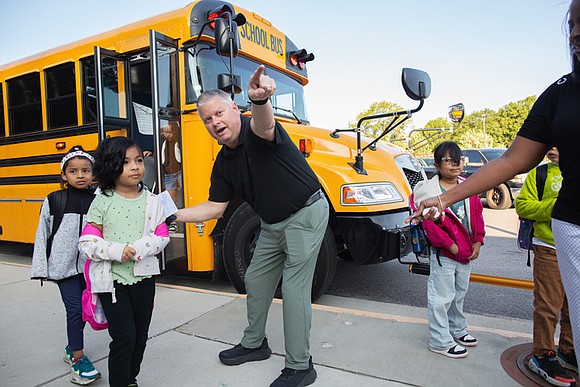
(305, 145)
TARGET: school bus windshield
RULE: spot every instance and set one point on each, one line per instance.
(203, 68)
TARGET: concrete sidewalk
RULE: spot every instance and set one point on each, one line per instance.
(353, 342)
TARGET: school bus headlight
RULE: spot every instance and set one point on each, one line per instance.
(369, 194)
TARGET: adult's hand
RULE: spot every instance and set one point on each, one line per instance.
(260, 86)
(429, 209)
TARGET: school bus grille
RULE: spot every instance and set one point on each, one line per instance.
(413, 177)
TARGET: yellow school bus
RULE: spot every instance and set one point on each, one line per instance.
(135, 80)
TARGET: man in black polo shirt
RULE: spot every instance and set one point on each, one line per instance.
(260, 162)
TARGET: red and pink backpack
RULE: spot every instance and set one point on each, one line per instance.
(92, 310)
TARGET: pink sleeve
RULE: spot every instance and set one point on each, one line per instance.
(412, 202)
(162, 230)
(91, 230)
(478, 222)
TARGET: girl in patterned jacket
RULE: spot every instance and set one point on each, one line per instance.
(125, 231)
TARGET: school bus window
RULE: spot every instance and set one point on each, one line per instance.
(114, 96)
(2, 126)
(203, 69)
(193, 78)
(167, 71)
(24, 104)
(89, 93)
(61, 96)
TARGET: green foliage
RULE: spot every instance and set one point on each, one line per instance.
(373, 128)
(490, 129)
(510, 118)
(475, 130)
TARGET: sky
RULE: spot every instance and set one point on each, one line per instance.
(483, 54)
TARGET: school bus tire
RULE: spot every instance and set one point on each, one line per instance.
(240, 237)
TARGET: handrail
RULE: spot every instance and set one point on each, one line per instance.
(517, 283)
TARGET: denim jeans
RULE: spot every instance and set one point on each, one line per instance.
(71, 290)
(446, 290)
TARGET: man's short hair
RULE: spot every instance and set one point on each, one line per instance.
(210, 94)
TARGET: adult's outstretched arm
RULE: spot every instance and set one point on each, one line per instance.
(201, 212)
(260, 88)
(521, 156)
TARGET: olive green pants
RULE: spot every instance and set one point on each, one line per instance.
(287, 249)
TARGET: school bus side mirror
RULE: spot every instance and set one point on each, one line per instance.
(456, 112)
(416, 83)
(229, 83)
(226, 37)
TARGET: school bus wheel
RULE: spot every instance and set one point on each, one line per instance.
(240, 237)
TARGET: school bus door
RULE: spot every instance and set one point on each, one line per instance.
(114, 104)
(167, 119)
(113, 91)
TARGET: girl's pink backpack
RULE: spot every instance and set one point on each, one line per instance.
(92, 309)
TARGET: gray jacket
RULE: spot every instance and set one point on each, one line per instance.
(64, 260)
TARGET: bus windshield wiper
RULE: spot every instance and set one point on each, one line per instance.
(288, 111)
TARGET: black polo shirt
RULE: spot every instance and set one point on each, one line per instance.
(555, 120)
(273, 177)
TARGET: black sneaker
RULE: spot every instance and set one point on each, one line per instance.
(240, 354)
(455, 352)
(296, 378)
(548, 368)
(568, 360)
(467, 340)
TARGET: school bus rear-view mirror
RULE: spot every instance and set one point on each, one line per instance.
(226, 37)
(225, 82)
(416, 83)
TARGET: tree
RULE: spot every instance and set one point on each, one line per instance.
(476, 129)
(509, 120)
(373, 128)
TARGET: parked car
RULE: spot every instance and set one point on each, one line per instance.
(502, 196)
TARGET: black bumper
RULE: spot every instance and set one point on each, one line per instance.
(377, 238)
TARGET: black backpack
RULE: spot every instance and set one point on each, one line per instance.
(526, 229)
(57, 202)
